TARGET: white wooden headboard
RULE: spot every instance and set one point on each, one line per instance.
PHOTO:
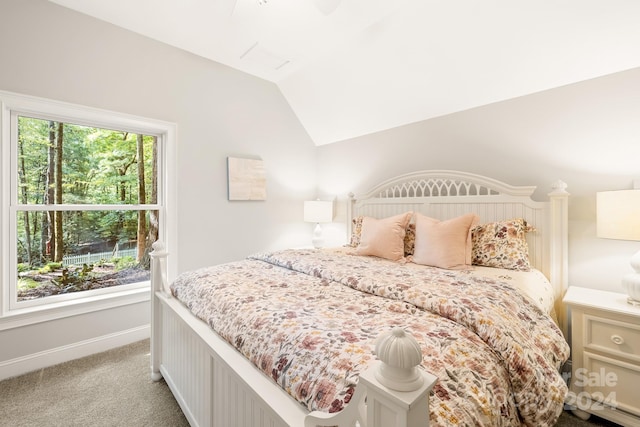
(445, 194)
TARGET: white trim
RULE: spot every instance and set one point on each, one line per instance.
(44, 313)
(81, 115)
(5, 179)
(21, 365)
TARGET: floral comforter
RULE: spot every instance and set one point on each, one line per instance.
(309, 320)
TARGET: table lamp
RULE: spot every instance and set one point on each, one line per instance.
(318, 211)
(618, 217)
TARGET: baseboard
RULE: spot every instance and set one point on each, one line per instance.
(54, 356)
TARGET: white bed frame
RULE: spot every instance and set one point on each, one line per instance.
(216, 386)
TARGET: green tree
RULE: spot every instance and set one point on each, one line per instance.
(24, 198)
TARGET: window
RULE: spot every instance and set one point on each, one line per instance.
(84, 196)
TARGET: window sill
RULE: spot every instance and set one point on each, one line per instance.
(44, 313)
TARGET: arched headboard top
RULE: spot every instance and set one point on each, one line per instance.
(443, 183)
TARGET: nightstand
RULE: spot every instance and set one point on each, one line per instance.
(605, 355)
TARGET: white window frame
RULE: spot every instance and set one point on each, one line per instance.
(14, 313)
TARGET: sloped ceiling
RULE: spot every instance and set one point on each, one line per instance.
(353, 67)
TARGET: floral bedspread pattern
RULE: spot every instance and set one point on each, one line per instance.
(309, 320)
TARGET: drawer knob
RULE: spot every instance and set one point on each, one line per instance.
(617, 339)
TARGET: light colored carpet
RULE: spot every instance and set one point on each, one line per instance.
(111, 389)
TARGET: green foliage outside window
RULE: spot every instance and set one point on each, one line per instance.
(68, 164)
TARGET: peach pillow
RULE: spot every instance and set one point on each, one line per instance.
(384, 238)
(444, 244)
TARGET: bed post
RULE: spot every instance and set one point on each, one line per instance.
(387, 408)
(397, 389)
(158, 279)
(558, 249)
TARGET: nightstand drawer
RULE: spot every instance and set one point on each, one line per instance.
(609, 379)
(612, 336)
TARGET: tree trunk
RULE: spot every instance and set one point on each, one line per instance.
(142, 215)
(23, 185)
(59, 250)
(152, 235)
(122, 184)
(48, 230)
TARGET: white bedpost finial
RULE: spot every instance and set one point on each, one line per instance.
(559, 187)
(159, 255)
(400, 355)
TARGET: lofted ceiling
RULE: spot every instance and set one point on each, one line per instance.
(353, 67)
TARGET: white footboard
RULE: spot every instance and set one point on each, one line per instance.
(216, 386)
(212, 385)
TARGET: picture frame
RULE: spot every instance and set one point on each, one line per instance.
(246, 179)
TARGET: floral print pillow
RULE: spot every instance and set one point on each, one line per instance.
(356, 231)
(501, 244)
(410, 239)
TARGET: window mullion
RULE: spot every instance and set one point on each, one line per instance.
(84, 207)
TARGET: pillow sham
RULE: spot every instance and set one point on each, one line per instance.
(502, 244)
(384, 238)
(444, 244)
(410, 239)
(356, 232)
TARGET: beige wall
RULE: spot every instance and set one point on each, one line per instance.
(52, 52)
(587, 134)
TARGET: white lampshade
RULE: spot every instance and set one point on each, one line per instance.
(618, 217)
(618, 214)
(318, 211)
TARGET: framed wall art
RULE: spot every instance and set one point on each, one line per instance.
(246, 179)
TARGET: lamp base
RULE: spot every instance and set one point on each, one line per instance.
(318, 240)
(631, 282)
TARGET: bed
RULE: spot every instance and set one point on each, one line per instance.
(435, 331)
